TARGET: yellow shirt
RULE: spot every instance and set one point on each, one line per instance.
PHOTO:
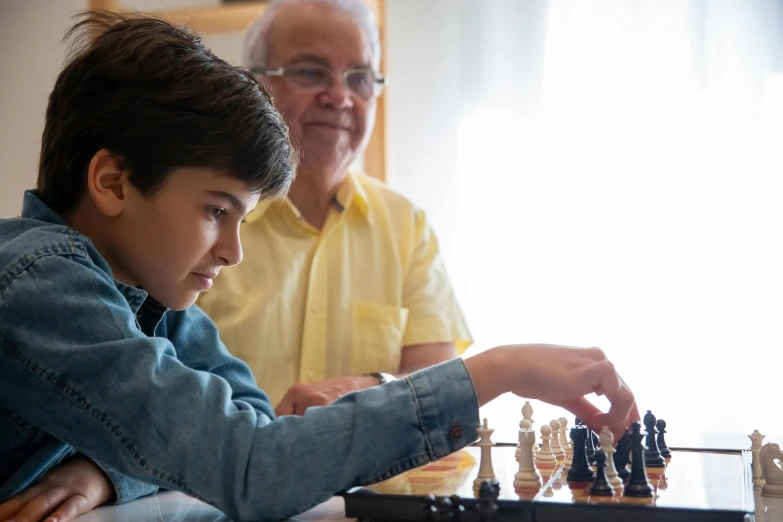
(309, 304)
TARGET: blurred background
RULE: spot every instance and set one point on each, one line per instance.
(599, 173)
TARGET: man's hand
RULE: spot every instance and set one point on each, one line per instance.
(299, 397)
(65, 492)
(559, 375)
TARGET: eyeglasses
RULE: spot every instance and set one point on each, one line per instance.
(362, 81)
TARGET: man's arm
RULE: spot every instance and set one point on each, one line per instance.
(85, 374)
(418, 356)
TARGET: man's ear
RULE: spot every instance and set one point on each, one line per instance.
(107, 183)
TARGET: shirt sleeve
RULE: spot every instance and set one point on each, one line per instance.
(433, 312)
(74, 364)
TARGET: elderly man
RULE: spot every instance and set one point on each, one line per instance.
(342, 287)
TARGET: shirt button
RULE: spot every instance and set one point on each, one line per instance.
(456, 431)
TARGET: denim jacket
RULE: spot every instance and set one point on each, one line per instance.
(89, 365)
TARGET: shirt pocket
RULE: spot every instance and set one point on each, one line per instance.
(376, 337)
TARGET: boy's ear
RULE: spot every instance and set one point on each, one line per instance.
(107, 183)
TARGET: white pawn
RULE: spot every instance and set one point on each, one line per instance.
(527, 414)
(528, 476)
(606, 442)
(545, 457)
(557, 449)
(756, 439)
(564, 443)
(485, 467)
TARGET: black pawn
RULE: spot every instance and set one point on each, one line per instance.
(638, 486)
(660, 424)
(600, 486)
(652, 457)
(580, 469)
(487, 501)
(622, 456)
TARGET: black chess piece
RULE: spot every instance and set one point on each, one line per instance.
(600, 486)
(487, 501)
(578, 422)
(638, 485)
(652, 456)
(580, 469)
(622, 456)
(596, 446)
(660, 424)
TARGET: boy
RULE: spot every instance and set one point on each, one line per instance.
(153, 152)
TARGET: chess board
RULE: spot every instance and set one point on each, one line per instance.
(695, 485)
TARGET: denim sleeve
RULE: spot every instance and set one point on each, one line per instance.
(126, 488)
(73, 364)
(197, 343)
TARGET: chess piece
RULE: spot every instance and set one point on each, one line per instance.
(523, 425)
(485, 466)
(545, 457)
(600, 486)
(527, 414)
(756, 438)
(606, 443)
(622, 456)
(771, 471)
(557, 449)
(580, 469)
(638, 485)
(487, 501)
(652, 456)
(564, 435)
(660, 425)
(528, 476)
(589, 446)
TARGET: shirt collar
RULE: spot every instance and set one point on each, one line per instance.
(33, 207)
(351, 193)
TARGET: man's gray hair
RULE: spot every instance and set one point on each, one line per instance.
(256, 45)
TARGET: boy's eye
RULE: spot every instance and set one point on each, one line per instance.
(215, 212)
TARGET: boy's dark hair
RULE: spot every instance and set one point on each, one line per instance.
(154, 95)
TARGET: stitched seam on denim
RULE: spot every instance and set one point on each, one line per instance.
(82, 403)
(24, 427)
(24, 263)
(402, 466)
(417, 403)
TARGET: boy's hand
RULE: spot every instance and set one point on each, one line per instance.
(65, 492)
(559, 375)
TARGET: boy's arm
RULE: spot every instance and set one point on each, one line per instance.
(84, 373)
(197, 343)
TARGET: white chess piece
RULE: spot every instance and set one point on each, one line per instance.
(527, 414)
(485, 467)
(771, 470)
(528, 476)
(756, 439)
(557, 449)
(606, 442)
(564, 443)
(545, 457)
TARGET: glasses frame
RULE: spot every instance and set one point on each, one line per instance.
(379, 81)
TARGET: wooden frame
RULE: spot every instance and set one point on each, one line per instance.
(236, 17)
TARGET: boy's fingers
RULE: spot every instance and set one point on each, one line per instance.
(70, 509)
(43, 504)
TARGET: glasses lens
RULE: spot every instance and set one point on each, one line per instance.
(361, 82)
(309, 75)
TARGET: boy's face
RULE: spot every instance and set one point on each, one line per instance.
(175, 241)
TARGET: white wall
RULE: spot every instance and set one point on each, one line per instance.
(31, 55)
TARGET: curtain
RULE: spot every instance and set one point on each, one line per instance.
(608, 173)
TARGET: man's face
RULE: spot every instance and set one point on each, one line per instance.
(330, 126)
(175, 241)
